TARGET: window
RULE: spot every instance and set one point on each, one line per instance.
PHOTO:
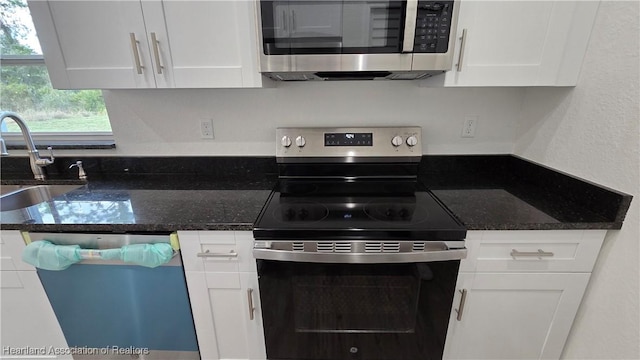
(25, 87)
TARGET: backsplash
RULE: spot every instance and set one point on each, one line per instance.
(215, 168)
(167, 122)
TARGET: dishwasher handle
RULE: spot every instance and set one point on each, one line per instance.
(47, 255)
(102, 241)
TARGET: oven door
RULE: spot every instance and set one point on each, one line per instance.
(368, 311)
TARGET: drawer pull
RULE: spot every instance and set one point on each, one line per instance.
(539, 254)
(207, 254)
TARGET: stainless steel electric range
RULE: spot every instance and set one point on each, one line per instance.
(356, 258)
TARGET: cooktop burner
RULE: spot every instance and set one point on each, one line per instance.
(300, 212)
(402, 210)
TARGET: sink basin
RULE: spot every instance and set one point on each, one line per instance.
(18, 197)
(5, 189)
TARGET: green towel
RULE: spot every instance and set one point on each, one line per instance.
(149, 255)
(45, 255)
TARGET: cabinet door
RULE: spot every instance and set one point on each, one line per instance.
(203, 44)
(27, 317)
(521, 43)
(221, 312)
(89, 44)
(513, 316)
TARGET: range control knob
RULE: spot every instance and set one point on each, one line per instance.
(412, 140)
(396, 141)
(285, 141)
(300, 141)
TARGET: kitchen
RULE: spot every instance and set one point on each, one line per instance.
(590, 131)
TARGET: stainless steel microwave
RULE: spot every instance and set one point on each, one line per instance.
(356, 39)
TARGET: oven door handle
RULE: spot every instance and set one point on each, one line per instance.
(360, 258)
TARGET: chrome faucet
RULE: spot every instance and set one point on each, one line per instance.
(36, 162)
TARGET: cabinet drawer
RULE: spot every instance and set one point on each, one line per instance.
(11, 246)
(533, 251)
(10, 280)
(217, 251)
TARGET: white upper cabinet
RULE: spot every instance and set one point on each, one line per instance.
(148, 44)
(520, 43)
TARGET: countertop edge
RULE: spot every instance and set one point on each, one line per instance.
(249, 227)
(128, 227)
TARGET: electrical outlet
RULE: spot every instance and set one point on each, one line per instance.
(206, 129)
(469, 126)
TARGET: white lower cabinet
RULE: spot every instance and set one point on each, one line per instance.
(514, 316)
(522, 290)
(225, 300)
(518, 292)
(29, 327)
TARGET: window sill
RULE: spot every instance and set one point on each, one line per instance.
(75, 145)
(15, 141)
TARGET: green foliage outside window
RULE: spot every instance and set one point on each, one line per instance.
(26, 89)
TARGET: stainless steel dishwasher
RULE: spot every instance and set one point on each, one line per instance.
(115, 310)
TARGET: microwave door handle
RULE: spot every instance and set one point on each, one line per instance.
(410, 26)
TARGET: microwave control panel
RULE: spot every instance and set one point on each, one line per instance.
(433, 26)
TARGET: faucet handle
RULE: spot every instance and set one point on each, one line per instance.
(81, 174)
(45, 162)
(51, 157)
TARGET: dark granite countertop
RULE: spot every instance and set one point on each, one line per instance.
(123, 195)
(150, 205)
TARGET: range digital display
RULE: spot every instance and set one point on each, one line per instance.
(348, 139)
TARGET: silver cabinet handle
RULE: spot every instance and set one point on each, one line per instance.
(463, 42)
(293, 22)
(285, 22)
(136, 54)
(207, 254)
(460, 308)
(156, 51)
(539, 254)
(250, 302)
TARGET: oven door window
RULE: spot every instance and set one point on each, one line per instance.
(356, 301)
(332, 27)
(368, 312)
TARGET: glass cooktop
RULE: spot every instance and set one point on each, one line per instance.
(362, 209)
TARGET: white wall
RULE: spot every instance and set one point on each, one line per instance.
(166, 122)
(593, 132)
